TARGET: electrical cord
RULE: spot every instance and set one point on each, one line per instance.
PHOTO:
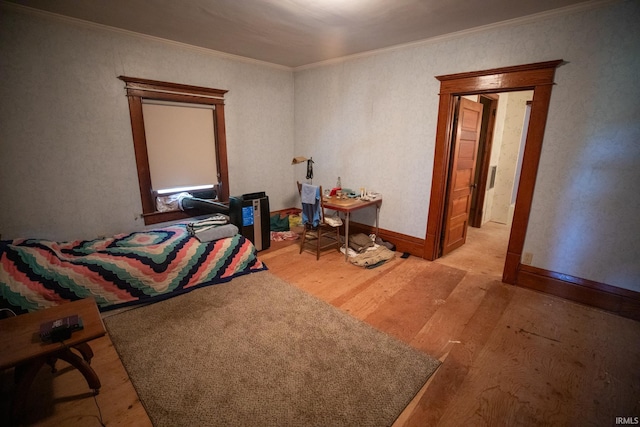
(95, 399)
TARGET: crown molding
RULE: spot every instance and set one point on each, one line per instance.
(94, 25)
(589, 5)
(593, 4)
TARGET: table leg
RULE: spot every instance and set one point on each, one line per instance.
(25, 375)
(346, 239)
(81, 365)
(85, 351)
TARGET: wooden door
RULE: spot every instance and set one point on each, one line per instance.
(490, 103)
(460, 185)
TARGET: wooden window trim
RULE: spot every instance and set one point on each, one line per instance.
(137, 89)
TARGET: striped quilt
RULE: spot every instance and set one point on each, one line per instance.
(118, 271)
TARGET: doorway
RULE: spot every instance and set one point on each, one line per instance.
(537, 77)
(484, 177)
(484, 252)
(501, 140)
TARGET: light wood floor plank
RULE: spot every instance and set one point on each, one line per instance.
(510, 356)
(442, 331)
(381, 288)
(443, 391)
(418, 296)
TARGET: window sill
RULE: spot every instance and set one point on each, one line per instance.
(158, 217)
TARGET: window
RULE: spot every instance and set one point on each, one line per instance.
(179, 141)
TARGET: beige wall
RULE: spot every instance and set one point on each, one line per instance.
(67, 166)
(371, 119)
(504, 154)
(66, 157)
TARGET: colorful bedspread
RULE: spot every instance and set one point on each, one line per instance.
(122, 270)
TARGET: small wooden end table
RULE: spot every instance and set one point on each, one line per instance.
(23, 349)
(347, 206)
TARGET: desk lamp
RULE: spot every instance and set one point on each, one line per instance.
(310, 162)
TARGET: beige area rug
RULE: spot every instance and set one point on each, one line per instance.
(259, 352)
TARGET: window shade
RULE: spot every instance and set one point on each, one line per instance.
(180, 145)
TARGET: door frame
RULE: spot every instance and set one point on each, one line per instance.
(537, 77)
(484, 158)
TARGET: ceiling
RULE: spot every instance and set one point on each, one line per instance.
(295, 33)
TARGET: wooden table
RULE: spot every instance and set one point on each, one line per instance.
(347, 206)
(22, 348)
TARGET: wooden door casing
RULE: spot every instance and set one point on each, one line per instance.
(537, 77)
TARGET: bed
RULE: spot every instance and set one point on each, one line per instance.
(122, 270)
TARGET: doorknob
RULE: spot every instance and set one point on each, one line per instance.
(473, 186)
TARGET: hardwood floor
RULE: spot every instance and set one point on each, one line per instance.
(510, 356)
